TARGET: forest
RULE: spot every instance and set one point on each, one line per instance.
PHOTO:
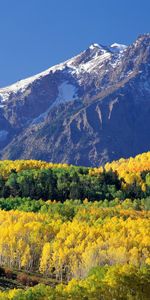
(70, 232)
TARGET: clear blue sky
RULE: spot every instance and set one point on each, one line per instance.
(35, 34)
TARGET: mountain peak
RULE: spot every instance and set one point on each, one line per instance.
(115, 47)
(143, 40)
(94, 45)
(144, 35)
(118, 47)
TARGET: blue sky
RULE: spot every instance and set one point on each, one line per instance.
(36, 34)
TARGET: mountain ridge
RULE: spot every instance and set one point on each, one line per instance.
(87, 110)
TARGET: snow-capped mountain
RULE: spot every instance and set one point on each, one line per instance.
(87, 110)
(87, 62)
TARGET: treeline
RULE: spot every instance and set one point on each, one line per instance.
(104, 283)
(60, 184)
(69, 208)
(125, 178)
(71, 183)
(6, 166)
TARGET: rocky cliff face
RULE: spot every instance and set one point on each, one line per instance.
(88, 110)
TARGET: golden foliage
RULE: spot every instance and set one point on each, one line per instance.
(18, 165)
(129, 169)
(111, 236)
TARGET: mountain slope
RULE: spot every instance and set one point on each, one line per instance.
(88, 110)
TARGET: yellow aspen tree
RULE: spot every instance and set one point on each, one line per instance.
(26, 258)
(45, 258)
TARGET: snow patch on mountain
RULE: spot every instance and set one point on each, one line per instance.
(66, 93)
(118, 47)
(3, 135)
(93, 46)
(89, 66)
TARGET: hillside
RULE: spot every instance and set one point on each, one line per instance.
(125, 178)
